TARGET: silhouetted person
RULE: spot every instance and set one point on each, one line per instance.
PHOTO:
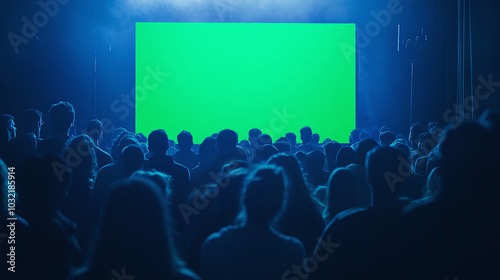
(264, 152)
(366, 236)
(354, 136)
(94, 131)
(453, 234)
(301, 217)
(292, 139)
(341, 193)
(386, 138)
(133, 158)
(264, 139)
(185, 155)
(345, 157)
(27, 138)
(314, 169)
(254, 250)
(331, 150)
(358, 168)
(283, 147)
(305, 137)
(78, 206)
(181, 185)
(7, 134)
(62, 117)
(111, 173)
(134, 238)
(207, 154)
(227, 149)
(42, 182)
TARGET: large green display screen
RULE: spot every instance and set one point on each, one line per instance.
(279, 77)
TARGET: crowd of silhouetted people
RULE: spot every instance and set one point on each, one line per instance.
(121, 205)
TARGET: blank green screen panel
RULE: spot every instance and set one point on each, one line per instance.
(279, 77)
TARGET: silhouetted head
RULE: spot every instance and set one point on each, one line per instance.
(426, 143)
(185, 141)
(125, 139)
(80, 156)
(32, 121)
(401, 145)
(341, 192)
(158, 142)
(315, 139)
(264, 139)
(384, 173)
(227, 140)
(292, 138)
(283, 147)
(345, 156)
(7, 128)
(253, 134)
(468, 157)
(264, 152)
(208, 150)
(386, 138)
(315, 162)
(135, 207)
(354, 137)
(362, 148)
(415, 130)
(133, 158)
(62, 116)
(290, 164)
(42, 184)
(331, 151)
(301, 157)
(94, 130)
(264, 195)
(305, 134)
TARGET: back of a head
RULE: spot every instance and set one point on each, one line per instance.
(185, 140)
(31, 119)
(264, 195)
(341, 191)
(468, 157)
(315, 161)
(133, 158)
(121, 238)
(264, 152)
(208, 150)
(354, 136)
(7, 132)
(362, 148)
(158, 142)
(331, 149)
(254, 133)
(383, 171)
(386, 138)
(315, 138)
(62, 116)
(80, 156)
(305, 134)
(292, 138)
(283, 147)
(94, 129)
(264, 139)
(160, 179)
(227, 140)
(346, 156)
(291, 168)
(415, 130)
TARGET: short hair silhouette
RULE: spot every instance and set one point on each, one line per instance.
(133, 158)
(292, 138)
(254, 133)
(415, 130)
(227, 140)
(386, 138)
(346, 156)
(264, 139)
(305, 134)
(383, 165)
(158, 142)
(264, 194)
(94, 129)
(62, 116)
(362, 148)
(184, 140)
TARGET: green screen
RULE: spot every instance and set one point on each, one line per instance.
(278, 77)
